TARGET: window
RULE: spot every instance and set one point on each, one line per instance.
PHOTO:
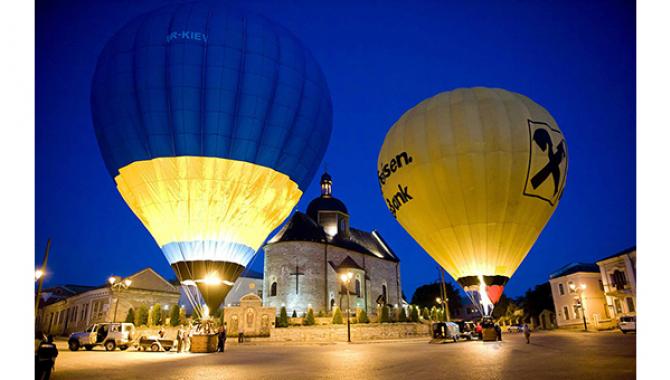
(600, 284)
(358, 288)
(561, 291)
(577, 309)
(630, 304)
(572, 287)
(384, 293)
(566, 316)
(619, 279)
(273, 289)
(617, 306)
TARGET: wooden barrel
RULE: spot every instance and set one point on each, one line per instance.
(204, 343)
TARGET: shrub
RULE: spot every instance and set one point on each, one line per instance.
(337, 316)
(155, 319)
(309, 318)
(283, 318)
(414, 314)
(130, 317)
(363, 317)
(402, 316)
(385, 318)
(426, 314)
(294, 315)
(174, 315)
(433, 314)
(321, 314)
(142, 316)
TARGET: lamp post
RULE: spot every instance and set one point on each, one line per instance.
(444, 307)
(580, 299)
(118, 285)
(346, 280)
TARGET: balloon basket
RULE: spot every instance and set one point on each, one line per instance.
(204, 343)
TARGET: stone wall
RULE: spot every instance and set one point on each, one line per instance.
(338, 333)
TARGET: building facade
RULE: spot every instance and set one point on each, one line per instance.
(618, 274)
(577, 291)
(70, 308)
(305, 259)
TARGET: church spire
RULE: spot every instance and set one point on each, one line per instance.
(326, 185)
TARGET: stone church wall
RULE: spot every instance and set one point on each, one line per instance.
(280, 263)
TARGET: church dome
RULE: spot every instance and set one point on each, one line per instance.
(326, 202)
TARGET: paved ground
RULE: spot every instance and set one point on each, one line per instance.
(554, 355)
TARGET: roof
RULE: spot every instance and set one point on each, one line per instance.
(625, 251)
(303, 228)
(575, 268)
(325, 204)
(349, 263)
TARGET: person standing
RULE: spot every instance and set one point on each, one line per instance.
(180, 338)
(45, 359)
(498, 332)
(526, 332)
(221, 334)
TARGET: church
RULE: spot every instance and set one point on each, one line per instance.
(304, 262)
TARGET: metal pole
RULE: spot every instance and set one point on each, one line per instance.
(348, 312)
(41, 281)
(583, 310)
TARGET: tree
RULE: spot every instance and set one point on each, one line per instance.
(130, 317)
(535, 300)
(337, 316)
(402, 316)
(142, 316)
(414, 313)
(425, 314)
(363, 317)
(283, 318)
(156, 315)
(309, 318)
(182, 316)
(174, 315)
(425, 295)
(320, 314)
(294, 315)
(433, 313)
(385, 318)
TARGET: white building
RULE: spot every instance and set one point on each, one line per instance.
(69, 308)
(574, 285)
(618, 274)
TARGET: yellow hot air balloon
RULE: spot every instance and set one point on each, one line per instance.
(474, 175)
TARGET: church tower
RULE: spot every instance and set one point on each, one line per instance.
(329, 212)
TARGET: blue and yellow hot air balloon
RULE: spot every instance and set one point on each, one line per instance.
(212, 122)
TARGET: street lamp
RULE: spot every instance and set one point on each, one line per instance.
(116, 283)
(346, 280)
(580, 300)
(444, 306)
(38, 274)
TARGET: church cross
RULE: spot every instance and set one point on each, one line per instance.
(297, 275)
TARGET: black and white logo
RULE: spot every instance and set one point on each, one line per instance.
(547, 164)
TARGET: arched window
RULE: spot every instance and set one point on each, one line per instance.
(384, 293)
(332, 303)
(358, 288)
(273, 289)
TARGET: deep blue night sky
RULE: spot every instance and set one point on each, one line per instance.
(575, 58)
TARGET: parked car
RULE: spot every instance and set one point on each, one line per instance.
(109, 335)
(627, 324)
(515, 328)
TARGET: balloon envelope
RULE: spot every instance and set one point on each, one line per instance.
(474, 175)
(212, 123)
